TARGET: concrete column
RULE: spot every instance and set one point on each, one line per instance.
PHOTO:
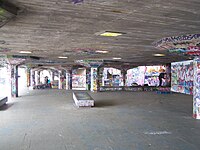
(60, 80)
(94, 79)
(88, 78)
(14, 81)
(32, 78)
(124, 73)
(52, 76)
(28, 74)
(67, 80)
(196, 88)
(70, 79)
(37, 76)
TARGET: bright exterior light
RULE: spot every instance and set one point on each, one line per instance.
(25, 52)
(159, 55)
(111, 34)
(103, 52)
(116, 58)
(62, 57)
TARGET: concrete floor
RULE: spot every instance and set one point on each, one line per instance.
(48, 120)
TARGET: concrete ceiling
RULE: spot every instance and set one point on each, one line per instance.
(53, 28)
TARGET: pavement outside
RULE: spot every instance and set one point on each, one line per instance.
(48, 120)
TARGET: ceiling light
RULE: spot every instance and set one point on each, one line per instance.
(62, 57)
(117, 58)
(110, 33)
(25, 52)
(103, 52)
(159, 55)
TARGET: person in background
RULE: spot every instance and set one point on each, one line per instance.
(46, 80)
(161, 77)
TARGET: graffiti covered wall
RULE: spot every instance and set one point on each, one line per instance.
(182, 77)
(79, 78)
(148, 75)
(196, 94)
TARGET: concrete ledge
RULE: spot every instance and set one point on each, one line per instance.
(3, 100)
(83, 99)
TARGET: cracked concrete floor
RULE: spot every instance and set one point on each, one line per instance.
(48, 120)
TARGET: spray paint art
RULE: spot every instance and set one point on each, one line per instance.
(182, 77)
(196, 94)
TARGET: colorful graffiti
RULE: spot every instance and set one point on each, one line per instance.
(94, 79)
(135, 76)
(79, 78)
(112, 77)
(147, 75)
(182, 77)
(77, 1)
(185, 44)
(196, 94)
(175, 42)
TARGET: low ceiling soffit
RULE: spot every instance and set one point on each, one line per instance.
(7, 12)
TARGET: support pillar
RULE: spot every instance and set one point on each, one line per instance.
(67, 80)
(61, 80)
(70, 79)
(52, 75)
(28, 74)
(94, 80)
(124, 73)
(88, 78)
(14, 81)
(196, 88)
(32, 78)
(37, 75)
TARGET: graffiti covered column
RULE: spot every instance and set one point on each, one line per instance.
(88, 78)
(94, 79)
(124, 73)
(37, 76)
(94, 65)
(52, 75)
(14, 81)
(61, 76)
(28, 74)
(68, 73)
(69, 79)
(32, 78)
(60, 80)
(196, 89)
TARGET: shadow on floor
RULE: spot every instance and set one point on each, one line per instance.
(6, 106)
(104, 103)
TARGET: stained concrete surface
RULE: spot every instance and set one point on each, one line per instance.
(48, 120)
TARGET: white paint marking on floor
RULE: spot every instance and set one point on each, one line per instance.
(157, 133)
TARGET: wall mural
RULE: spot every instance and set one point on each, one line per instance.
(184, 44)
(112, 77)
(79, 78)
(148, 75)
(196, 94)
(182, 77)
(175, 42)
(135, 76)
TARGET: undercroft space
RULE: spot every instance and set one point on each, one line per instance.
(48, 120)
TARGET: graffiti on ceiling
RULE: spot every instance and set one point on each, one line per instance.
(184, 44)
(77, 1)
(90, 63)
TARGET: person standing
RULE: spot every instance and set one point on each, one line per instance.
(161, 77)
